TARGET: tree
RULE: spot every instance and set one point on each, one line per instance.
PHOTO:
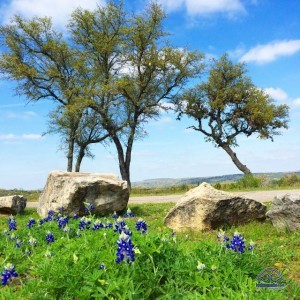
(135, 71)
(228, 105)
(43, 65)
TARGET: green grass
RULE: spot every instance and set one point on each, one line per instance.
(165, 268)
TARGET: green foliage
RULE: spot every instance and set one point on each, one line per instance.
(166, 267)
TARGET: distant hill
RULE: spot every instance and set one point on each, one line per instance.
(169, 182)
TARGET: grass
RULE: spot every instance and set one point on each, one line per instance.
(166, 267)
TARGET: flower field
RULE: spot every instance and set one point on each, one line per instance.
(134, 256)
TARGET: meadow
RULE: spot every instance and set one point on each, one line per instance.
(90, 258)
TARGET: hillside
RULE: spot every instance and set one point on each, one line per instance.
(169, 182)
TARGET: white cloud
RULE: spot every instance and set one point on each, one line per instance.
(59, 10)
(277, 94)
(20, 116)
(204, 7)
(263, 54)
(15, 137)
(296, 102)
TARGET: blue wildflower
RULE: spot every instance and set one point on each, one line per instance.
(141, 226)
(75, 217)
(108, 225)
(125, 249)
(88, 207)
(97, 225)
(114, 216)
(49, 237)
(31, 223)
(8, 273)
(84, 223)
(102, 266)
(237, 243)
(12, 225)
(61, 209)
(62, 222)
(119, 225)
(18, 243)
(129, 213)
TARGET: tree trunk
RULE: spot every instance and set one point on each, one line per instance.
(235, 160)
(123, 166)
(79, 158)
(71, 143)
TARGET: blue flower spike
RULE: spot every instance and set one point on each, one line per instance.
(49, 237)
(8, 273)
(141, 225)
(125, 248)
(12, 225)
(129, 213)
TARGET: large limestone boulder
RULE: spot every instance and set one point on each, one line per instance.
(12, 204)
(285, 212)
(205, 207)
(70, 191)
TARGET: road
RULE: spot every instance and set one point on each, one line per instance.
(261, 196)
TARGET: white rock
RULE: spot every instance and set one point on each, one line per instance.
(70, 190)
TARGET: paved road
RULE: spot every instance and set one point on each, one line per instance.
(262, 196)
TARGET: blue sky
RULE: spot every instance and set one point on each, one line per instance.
(263, 33)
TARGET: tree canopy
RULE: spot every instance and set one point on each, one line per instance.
(228, 105)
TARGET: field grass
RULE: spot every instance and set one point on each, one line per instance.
(165, 268)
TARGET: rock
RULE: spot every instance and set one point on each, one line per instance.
(70, 190)
(204, 207)
(12, 204)
(285, 212)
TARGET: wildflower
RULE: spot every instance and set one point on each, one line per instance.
(62, 222)
(75, 217)
(88, 207)
(27, 252)
(129, 213)
(237, 243)
(32, 241)
(102, 266)
(119, 225)
(66, 229)
(97, 225)
(8, 273)
(141, 226)
(84, 223)
(222, 236)
(114, 216)
(48, 253)
(18, 243)
(201, 266)
(108, 225)
(49, 237)
(50, 216)
(251, 245)
(12, 225)
(61, 209)
(125, 249)
(31, 223)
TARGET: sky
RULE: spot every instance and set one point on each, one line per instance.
(265, 34)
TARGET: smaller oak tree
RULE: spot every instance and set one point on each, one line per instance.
(228, 104)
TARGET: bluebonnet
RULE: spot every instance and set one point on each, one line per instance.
(237, 243)
(18, 243)
(129, 213)
(102, 266)
(222, 236)
(61, 209)
(31, 223)
(48, 253)
(114, 216)
(66, 229)
(120, 226)
(251, 246)
(141, 226)
(49, 237)
(108, 225)
(8, 273)
(125, 249)
(75, 217)
(62, 222)
(50, 216)
(88, 207)
(32, 241)
(12, 225)
(97, 225)
(84, 223)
